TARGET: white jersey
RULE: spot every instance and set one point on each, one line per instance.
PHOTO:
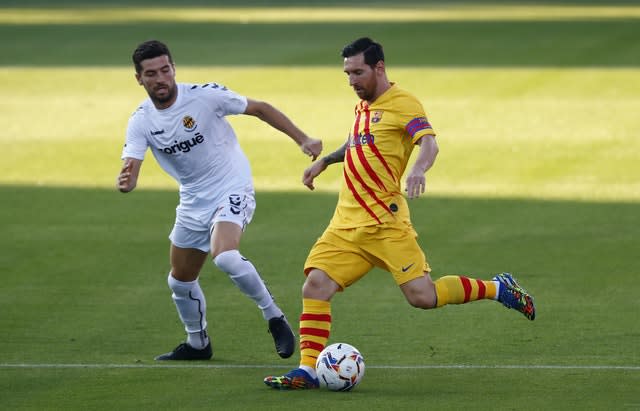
(194, 143)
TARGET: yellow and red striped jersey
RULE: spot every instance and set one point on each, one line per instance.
(379, 146)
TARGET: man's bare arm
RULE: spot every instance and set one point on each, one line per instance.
(128, 177)
(319, 166)
(278, 120)
(335, 157)
(416, 180)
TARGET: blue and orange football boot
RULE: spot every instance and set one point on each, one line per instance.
(296, 379)
(512, 295)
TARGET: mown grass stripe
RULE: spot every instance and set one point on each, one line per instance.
(380, 367)
(91, 15)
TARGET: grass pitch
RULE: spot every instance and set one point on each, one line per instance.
(86, 307)
(538, 175)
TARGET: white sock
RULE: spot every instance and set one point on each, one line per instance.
(498, 285)
(192, 309)
(247, 279)
(198, 340)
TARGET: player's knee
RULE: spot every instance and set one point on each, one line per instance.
(185, 274)
(420, 292)
(227, 260)
(319, 286)
(218, 249)
(226, 237)
(424, 301)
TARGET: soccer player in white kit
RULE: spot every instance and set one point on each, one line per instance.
(185, 128)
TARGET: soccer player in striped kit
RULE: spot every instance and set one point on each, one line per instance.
(371, 225)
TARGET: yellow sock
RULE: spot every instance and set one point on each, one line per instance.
(315, 326)
(455, 289)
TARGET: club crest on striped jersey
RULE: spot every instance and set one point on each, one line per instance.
(189, 123)
(377, 116)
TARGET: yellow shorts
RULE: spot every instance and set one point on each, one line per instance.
(346, 255)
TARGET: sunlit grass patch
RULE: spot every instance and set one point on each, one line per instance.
(443, 12)
(551, 133)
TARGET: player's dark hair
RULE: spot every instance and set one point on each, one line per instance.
(148, 50)
(373, 52)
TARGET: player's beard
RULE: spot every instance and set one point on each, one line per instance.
(169, 96)
(367, 91)
(363, 94)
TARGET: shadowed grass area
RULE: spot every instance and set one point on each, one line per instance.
(233, 390)
(564, 43)
(478, 34)
(88, 287)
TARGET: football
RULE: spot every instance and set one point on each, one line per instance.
(340, 367)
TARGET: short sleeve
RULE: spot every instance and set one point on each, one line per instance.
(414, 119)
(223, 100)
(136, 143)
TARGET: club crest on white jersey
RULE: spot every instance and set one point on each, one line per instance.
(189, 123)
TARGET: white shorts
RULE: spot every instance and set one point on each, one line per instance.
(237, 208)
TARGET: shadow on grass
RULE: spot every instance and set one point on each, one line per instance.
(83, 282)
(590, 43)
(467, 235)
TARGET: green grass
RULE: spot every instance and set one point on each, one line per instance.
(539, 133)
(440, 390)
(472, 34)
(231, 4)
(313, 13)
(89, 288)
(538, 174)
(510, 43)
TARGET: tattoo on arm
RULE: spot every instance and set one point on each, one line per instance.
(335, 157)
